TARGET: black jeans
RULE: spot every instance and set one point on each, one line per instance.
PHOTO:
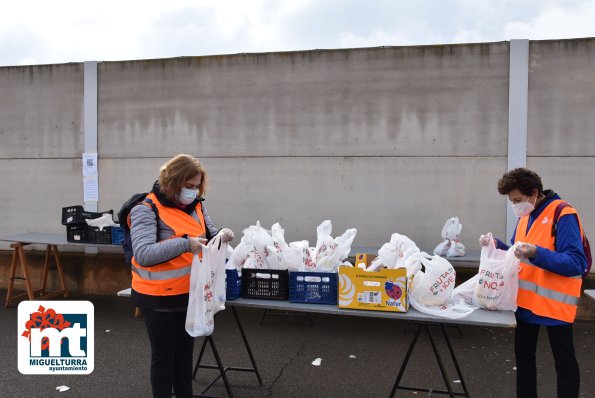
(567, 371)
(171, 353)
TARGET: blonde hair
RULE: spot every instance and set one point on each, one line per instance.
(179, 169)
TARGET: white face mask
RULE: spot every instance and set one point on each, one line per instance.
(523, 209)
(186, 196)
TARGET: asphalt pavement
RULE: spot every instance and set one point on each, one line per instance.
(360, 357)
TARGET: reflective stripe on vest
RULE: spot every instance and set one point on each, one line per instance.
(171, 277)
(543, 292)
(548, 293)
(162, 275)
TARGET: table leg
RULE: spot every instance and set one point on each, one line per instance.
(198, 361)
(246, 344)
(60, 270)
(220, 365)
(31, 294)
(406, 360)
(25, 268)
(439, 360)
(449, 391)
(454, 360)
(46, 269)
(13, 270)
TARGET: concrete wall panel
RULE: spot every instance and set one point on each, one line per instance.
(561, 98)
(41, 111)
(396, 101)
(572, 178)
(378, 196)
(34, 192)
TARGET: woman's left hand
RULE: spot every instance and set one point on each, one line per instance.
(525, 250)
(226, 235)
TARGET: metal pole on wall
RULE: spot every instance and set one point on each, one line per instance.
(518, 98)
(90, 132)
(90, 171)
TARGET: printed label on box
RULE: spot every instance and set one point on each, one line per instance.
(385, 290)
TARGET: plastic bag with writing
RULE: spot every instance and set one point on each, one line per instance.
(301, 250)
(434, 282)
(451, 246)
(498, 278)
(432, 288)
(217, 251)
(276, 253)
(199, 316)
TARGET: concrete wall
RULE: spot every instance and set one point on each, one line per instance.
(386, 140)
(561, 124)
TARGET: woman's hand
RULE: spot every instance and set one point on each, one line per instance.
(484, 240)
(525, 250)
(196, 244)
(226, 235)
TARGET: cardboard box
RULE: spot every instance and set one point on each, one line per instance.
(364, 258)
(385, 290)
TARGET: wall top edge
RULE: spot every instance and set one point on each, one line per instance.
(269, 53)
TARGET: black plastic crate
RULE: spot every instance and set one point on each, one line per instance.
(77, 215)
(313, 287)
(233, 284)
(88, 234)
(267, 284)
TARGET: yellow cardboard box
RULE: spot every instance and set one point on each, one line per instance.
(384, 290)
(364, 258)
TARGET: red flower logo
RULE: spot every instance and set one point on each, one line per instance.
(43, 319)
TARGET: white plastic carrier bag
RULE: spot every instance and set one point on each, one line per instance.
(434, 282)
(207, 289)
(432, 288)
(451, 246)
(395, 253)
(498, 278)
(330, 251)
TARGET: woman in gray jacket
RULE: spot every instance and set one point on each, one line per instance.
(167, 228)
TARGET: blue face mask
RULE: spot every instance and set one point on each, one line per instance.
(186, 196)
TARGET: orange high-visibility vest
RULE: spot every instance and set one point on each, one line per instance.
(171, 277)
(540, 291)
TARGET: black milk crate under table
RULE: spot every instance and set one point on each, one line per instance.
(88, 234)
(268, 284)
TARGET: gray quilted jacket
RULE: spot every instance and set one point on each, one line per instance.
(143, 233)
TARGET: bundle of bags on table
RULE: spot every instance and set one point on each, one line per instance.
(263, 250)
(451, 246)
(432, 289)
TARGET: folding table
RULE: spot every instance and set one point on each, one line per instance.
(51, 241)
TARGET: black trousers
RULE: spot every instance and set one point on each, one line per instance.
(567, 371)
(171, 353)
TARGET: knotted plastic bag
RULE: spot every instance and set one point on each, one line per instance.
(451, 246)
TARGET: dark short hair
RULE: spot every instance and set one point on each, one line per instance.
(522, 179)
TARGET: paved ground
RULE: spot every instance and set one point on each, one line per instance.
(284, 348)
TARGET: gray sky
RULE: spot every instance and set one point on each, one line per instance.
(59, 31)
